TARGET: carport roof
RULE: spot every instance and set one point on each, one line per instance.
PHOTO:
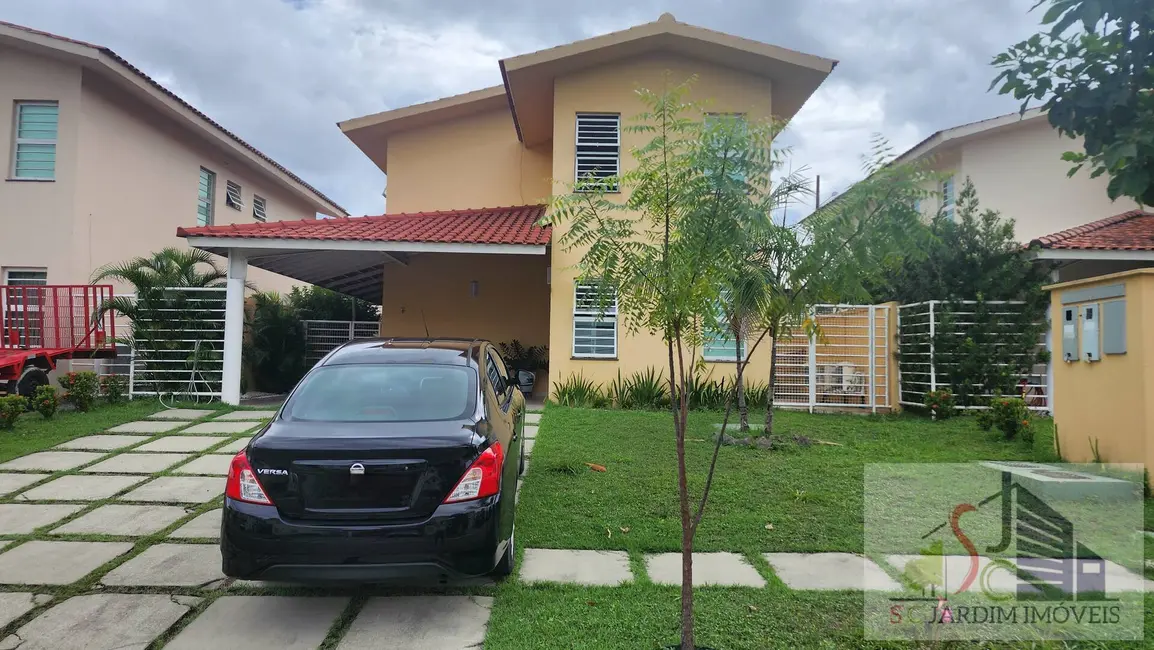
(1129, 231)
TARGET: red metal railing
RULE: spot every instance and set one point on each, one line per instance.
(56, 317)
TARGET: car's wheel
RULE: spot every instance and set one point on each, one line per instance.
(504, 568)
(32, 379)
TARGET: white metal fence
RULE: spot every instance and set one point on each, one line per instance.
(322, 336)
(922, 368)
(844, 364)
(181, 351)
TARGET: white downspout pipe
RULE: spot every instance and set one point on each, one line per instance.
(233, 325)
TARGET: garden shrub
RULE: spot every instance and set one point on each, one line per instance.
(46, 401)
(81, 389)
(11, 407)
(580, 392)
(941, 404)
(644, 389)
(707, 394)
(1010, 416)
(115, 388)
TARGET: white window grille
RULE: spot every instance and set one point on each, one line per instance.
(232, 198)
(259, 208)
(594, 322)
(948, 198)
(204, 197)
(34, 153)
(26, 277)
(598, 150)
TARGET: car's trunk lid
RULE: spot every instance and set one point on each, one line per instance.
(362, 472)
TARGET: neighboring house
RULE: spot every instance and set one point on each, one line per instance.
(1115, 244)
(1015, 162)
(446, 261)
(102, 164)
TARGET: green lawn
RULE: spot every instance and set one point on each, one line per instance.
(34, 433)
(812, 496)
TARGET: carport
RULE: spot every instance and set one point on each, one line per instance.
(462, 273)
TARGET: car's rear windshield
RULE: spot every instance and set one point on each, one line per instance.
(384, 393)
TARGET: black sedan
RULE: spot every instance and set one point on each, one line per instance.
(391, 459)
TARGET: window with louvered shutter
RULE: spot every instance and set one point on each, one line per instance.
(594, 321)
(204, 196)
(232, 198)
(719, 343)
(34, 153)
(598, 149)
(258, 208)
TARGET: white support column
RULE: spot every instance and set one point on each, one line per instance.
(233, 325)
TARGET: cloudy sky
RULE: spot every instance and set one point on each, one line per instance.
(281, 73)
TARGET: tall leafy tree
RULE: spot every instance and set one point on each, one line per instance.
(318, 303)
(1091, 69)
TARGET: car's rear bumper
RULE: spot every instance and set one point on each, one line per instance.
(459, 540)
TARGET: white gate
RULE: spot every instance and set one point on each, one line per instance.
(322, 336)
(181, 350)
(924, 369)
(844, 364)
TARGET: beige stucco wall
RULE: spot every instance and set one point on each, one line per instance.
(610, 89)
(473, 162)
(36, 216)
(1108, 401)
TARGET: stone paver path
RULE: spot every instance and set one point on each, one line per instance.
(115, 519)
(79, 487)
(532, 418)
(221, 427)
(181, 443)
(102, 621)
(10, 483)
(177, 489)
(55, 563)
(148, 426)
(134, 463)
(52, 461)
(426, 622)
(531, 431)
(280, 622)
(245, 415)
(529, 442)
(181, 414)
(232, 447)
(23, 518)
(169, 565)
(822, 571)
(103, 442)
(207, 465)
(15, 605)
(579, 567)
(709, 569)
(206, 525)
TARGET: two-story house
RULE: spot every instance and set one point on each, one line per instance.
(459, 251)
(102, 164)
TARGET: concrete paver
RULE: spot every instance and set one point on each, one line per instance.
(12, 482)
(169, 565)
(102, 442)
(532, 418)
(52, 461)
(221, 427)
(245, 415)
(56, 563)
(181, 414)
(529, 447)
(79, 487)
(147, 426)
(576, 567)
(181, 443)
(1118, 578)
(23, 518)
(101, 622)
(426, 622)
(116, 519)
(133, 463)
(233, 447)
(15, 605)
(709, 569)
(205, 525)
(281, 622)
(826, 571)
(531, 431)
(177, 489)
(207, 465)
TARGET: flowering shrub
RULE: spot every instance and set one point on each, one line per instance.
(11, 407)
(1010, 416)
(115, 388)
(80, 389)
(941, 404)
(45, 401)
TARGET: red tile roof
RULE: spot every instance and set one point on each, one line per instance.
(510, 225)
(1129, 231)
(155, 84)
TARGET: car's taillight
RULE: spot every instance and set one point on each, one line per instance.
(482, 479)
(242, 484)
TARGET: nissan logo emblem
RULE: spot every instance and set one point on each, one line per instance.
(357, 469)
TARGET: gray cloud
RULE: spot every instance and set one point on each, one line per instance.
(280, 74)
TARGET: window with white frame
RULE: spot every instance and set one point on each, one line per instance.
(594, 321)
(948, 198)
(34, 153)
(598, 150)
(232, 195)
(26, 277)
(259, 208)
(719, 343)
(204, 197)
(28, 331)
